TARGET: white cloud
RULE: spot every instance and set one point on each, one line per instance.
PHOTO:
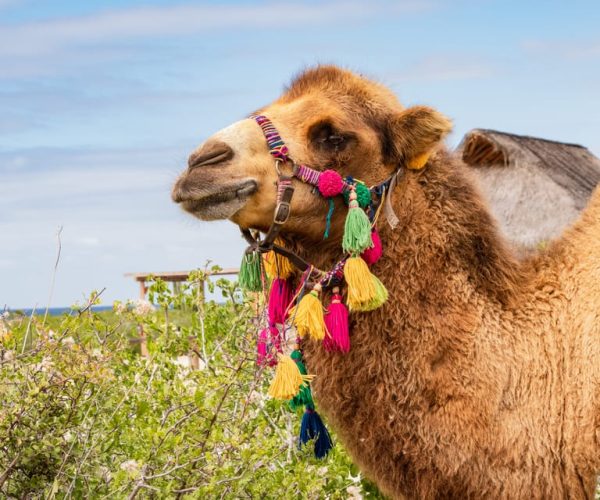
(49, 36)
(565, 49)
(8, 3)
(88, 241)
(441, 68)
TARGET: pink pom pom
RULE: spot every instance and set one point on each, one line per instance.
(330, 183)
(372, 255)
(336, 321)
(280, 296)
(267, 346)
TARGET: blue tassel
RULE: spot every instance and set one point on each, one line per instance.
(312, 427)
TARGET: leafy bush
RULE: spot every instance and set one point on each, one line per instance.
(84, 415)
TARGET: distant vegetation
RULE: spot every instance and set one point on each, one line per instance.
(83, 415)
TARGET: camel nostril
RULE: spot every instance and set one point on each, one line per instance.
(211, 153)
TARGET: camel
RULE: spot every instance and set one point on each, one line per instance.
(480, 376)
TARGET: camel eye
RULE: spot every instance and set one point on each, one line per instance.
(325, 137)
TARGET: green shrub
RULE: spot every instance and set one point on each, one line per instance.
(84, 415)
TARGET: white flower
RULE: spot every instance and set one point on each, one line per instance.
(354, 479)
(131, 467)
(143, 307)
(8, 355)
(4, 332)
(96, 353)
(183, 361)
(354, 493)
(45, 365)
(68, 341)
(256, 397)
(68, 436)
(119, 307)
(104, 473)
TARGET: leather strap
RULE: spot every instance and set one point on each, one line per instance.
(256, 245)
(388, 210)
(285, 194)
(282, 212)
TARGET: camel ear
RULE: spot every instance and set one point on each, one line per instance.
(415, 132)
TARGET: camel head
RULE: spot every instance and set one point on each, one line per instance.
(329, 118)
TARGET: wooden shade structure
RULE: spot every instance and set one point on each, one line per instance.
(174, 277)
(536, 187)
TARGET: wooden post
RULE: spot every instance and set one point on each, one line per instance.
(143, 343)
(193, 356)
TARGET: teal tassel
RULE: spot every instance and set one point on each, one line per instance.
(328, 219)
(250, 275)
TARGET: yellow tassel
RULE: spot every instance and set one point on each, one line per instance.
(277, 266)
(288, 379)
(381, 295)
(361, 287)
(308, 315)
(418, 162)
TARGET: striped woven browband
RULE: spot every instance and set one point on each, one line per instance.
(276, 145)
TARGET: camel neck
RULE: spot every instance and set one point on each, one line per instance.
(447, 235)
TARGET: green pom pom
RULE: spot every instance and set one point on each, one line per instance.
(250, 276)
(296, 355)
(363, 195)
(357, 232)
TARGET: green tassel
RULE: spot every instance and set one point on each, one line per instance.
(357, 231)
(381, 296)
(304, 396)
(250, 275)
(296, 355)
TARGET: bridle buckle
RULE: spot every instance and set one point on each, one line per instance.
(282, 212)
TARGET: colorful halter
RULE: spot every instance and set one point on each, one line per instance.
(268, 261)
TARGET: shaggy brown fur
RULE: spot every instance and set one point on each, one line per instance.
(480, 377)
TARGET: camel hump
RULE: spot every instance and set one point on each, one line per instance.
(586, 231)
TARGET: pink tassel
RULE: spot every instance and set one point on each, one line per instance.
(280, 296)
(336, 321)
(267, 346)
(373, 254)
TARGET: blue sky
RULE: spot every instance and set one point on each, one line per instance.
(102, 101)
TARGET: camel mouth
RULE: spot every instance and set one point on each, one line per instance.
(219, 203)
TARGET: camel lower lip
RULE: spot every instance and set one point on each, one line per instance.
(209, 206)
